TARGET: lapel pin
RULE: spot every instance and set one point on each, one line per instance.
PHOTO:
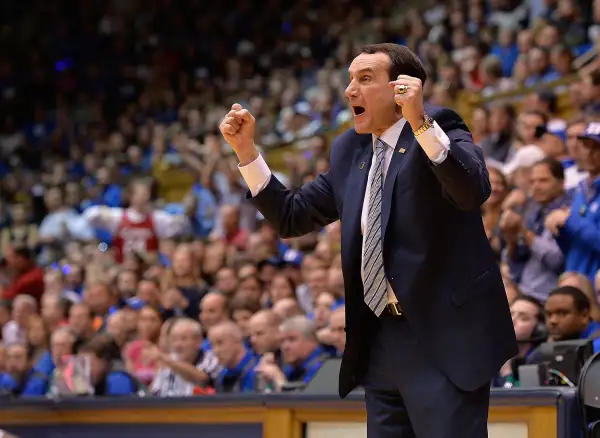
(362, 165)
(401, 150)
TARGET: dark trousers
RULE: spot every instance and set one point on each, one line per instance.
(408, 397)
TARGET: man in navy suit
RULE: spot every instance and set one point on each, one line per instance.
(427, 319)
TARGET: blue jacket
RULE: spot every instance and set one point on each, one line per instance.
(307, 369)
(579, 239)
(238, 379)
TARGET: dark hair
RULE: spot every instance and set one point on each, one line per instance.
(549, 98)
(540, 114)
(84, 306)
(580, 299)
(555, 167)
(535, 302)
(102, 346)
(252, 277)
(508, 108)
(562, 48)
(595, 77)
(241, 302)
(402, 60)
(22, 251)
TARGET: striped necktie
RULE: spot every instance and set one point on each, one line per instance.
(374, 283)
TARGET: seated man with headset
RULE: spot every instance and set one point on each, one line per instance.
(530, 329)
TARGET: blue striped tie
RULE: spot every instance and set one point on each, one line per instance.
(375, 286)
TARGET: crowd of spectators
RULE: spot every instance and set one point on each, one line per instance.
(127, 253)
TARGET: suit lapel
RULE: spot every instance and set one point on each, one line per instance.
(355, 195)
(401, 151)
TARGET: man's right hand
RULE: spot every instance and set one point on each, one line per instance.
(237, 129)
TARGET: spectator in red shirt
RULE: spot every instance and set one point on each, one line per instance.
(27, 277)
(233, 234)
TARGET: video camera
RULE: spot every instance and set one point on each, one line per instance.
(561, 364)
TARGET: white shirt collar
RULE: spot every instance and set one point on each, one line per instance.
(391, 135)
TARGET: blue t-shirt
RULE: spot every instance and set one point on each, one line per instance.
(119, 383)
(34, 384)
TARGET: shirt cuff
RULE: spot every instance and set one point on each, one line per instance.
(256, 174)
(435, 143)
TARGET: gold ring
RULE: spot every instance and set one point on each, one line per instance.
(402, 89)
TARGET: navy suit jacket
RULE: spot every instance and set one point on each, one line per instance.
(435, 251)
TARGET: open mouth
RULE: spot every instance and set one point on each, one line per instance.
(358, 110)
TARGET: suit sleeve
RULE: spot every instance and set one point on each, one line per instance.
(295, 214)
(463, 174)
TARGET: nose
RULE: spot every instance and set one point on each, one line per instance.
(351, 90)
(553, 320)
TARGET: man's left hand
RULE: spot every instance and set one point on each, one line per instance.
(411, 101)
(556, 219)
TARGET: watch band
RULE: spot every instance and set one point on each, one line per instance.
(428, 123)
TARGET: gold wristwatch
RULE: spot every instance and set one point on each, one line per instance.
(428, 123)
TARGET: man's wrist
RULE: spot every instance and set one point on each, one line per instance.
(422, 125)
(416, 123)
(248, 155)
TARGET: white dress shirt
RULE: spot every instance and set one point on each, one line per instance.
(434, 142)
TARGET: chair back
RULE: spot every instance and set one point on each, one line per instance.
(589, 396)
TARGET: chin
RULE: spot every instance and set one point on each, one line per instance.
(362, 128)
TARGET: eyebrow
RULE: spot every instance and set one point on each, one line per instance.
(362, 70)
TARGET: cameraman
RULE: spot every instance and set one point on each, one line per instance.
(530, 330)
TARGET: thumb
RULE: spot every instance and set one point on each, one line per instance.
(236, 107)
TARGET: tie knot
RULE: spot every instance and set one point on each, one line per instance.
(380, 145)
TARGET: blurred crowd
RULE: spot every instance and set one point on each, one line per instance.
(128, 254)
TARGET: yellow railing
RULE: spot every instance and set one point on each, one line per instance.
(467, 102)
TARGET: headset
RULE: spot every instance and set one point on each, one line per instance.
(540, 332)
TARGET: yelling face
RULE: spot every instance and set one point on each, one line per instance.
(370, 95)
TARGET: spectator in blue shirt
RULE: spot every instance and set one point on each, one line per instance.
(108, 375)
(333, 337)
(263, 328)
(576, 229)
(20, 377)
(62, 342)
(302, 355)
(238, 361)
(506, 50)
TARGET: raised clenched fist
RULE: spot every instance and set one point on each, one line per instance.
(238, 130)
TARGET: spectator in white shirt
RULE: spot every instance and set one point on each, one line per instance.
(15, 331)
(61, 225)
(186, 367)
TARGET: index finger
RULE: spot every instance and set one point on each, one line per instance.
(406, 78)
(235, 114)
